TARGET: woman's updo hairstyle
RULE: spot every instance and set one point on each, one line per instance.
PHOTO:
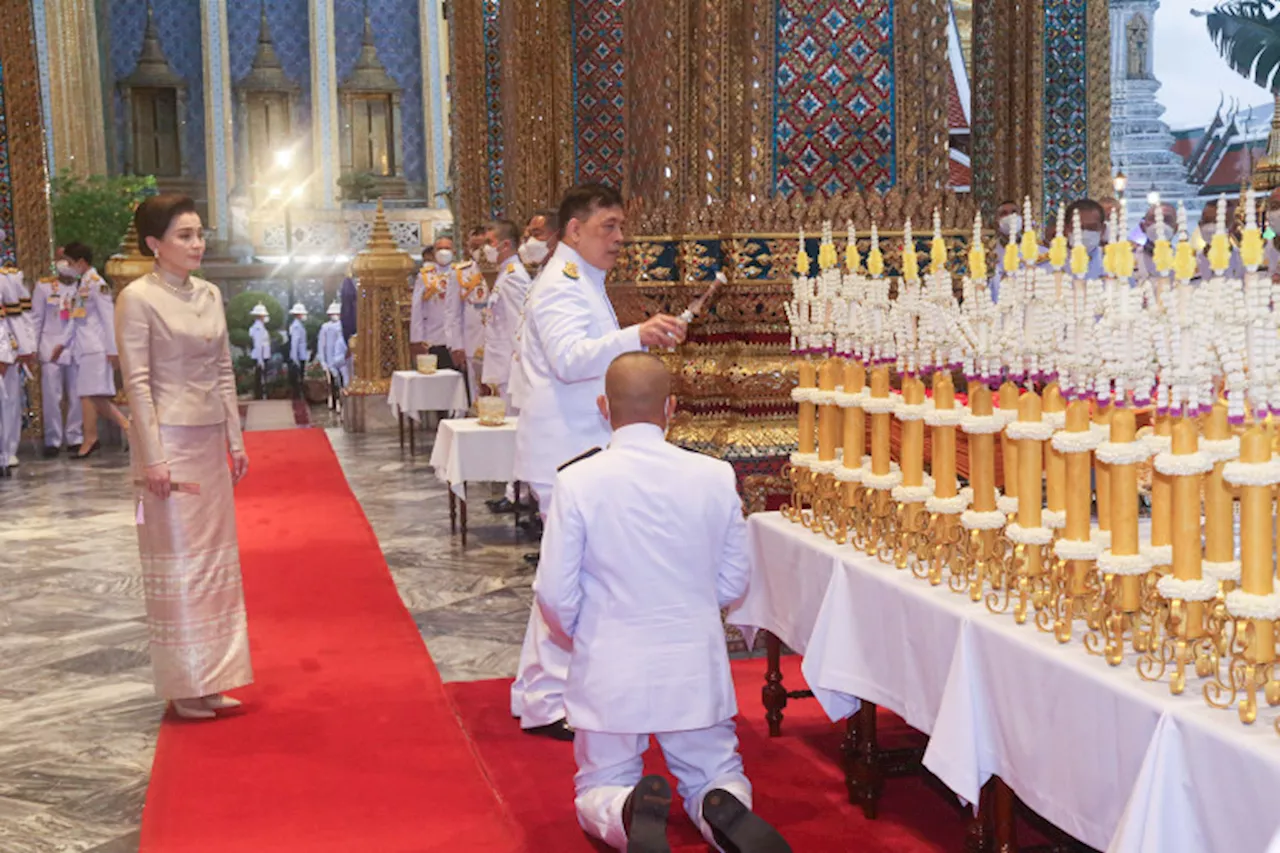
(154, 216)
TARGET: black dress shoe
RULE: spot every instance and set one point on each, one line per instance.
(73, 448)
(532, 559)
(644, 816)
(736, 828)
(51, 452)
(500, 505)
(559, 730)
(93, 448)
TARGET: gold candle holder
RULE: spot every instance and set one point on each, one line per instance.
(880, 539)
(1254, 607)
(1009, 449)
(1078, 590)
(1124, 563)
(1160, 548)
(828, 495)
(849, 474)
(1026, 581)
(982, 553)
(1186, 591)
(1102, 473)
(912, 520)
(798, 472)
(945, 506)
(1222, 446)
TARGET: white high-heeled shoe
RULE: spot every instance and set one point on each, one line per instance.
(218, 702)
(192, 709)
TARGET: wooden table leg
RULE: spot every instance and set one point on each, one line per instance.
(1003, 810)
(400, 415)
(774, 695)
(866, 779)
(462, 511)
(453, 509)
(413, 428)
(980, 835)
(515, 509)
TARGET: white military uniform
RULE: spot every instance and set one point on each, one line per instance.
(8, 356)
(298, 352)
(644, 544)
(505, 307)
(332, 350)
(435, 300)
(570, 337)
(260, 338)
(473, 293)
(51, 307)
(17, 304)
(91, 336)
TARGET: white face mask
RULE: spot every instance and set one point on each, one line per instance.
(533, 252)
(444, 257)
(477, 255)
(1154, 232)
(1273, 220)
(490, 254)
(1207, 231)
(1091, 240)
(1010, 224)
(65, 269)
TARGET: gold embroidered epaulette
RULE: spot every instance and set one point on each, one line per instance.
(571, 270)
(471, 283)
(592, 452)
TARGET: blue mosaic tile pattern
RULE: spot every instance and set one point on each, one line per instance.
(1066, 103)
(599, 69)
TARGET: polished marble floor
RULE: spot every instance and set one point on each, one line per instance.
(78, 717)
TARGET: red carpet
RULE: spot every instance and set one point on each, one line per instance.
(799, 786)
(347, 741)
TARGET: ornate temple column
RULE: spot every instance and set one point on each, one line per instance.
(325, 141)
(435, 99)
(218, 116)
(71, 88)
(469, 115)
(921, 92)
(22, 117)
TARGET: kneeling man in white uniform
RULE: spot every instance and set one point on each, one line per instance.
(644, 544)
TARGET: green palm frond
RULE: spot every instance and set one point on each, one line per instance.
(1248, 37)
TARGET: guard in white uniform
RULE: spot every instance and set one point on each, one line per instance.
(51, 306)
(299, 355)
(542, 236)
(645, 543)
(505, 306)
(436, 310)
(332, 352)
(571, 335)
(473, 292)
(8, 364)
(17, 305)
(260, 349)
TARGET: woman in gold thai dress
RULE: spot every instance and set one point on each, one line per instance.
(172, 337)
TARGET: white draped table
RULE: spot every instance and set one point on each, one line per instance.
(413, 393)
(1114, 761)
(467, 452)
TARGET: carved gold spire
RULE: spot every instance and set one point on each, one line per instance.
(382, 274)
(1266, 175)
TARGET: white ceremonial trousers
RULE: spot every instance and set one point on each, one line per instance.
(22, 339)
(432, 318)
(51, 305)
(610, 766)
(567, 341)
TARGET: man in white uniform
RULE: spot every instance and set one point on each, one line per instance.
(435, 298)
(8, 364)
(571, 336)
(505, 303)
(542, 236)
(51, 305)
(473, 292)
(331, 350)
(645, 543)
(17, 305)
(260, 349)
